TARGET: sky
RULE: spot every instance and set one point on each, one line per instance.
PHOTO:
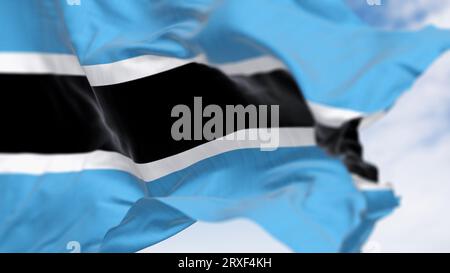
(410, 145)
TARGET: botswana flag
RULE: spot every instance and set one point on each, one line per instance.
(88, 88)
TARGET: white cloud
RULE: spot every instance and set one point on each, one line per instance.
(400, 14)
(411, 145)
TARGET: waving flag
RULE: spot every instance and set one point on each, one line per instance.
(87, 150)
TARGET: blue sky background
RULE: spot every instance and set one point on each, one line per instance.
(411, 145)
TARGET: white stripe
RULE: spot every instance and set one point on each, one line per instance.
(132, 69)
(148, 65)
(39, 63)
(36, 164)
(249, 67)
(332, 116)
(371, 119)
(367, 185)
(121, 71)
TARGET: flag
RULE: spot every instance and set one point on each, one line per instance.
(87, 151)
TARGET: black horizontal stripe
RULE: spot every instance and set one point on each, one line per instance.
(63, 114)
(51, 114)
(140, 111)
